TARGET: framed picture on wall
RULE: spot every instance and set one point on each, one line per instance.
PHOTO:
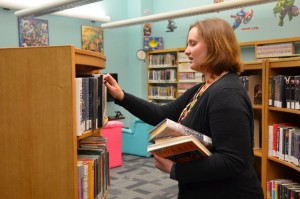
(33, 32)
(153, 43)
(92, 38)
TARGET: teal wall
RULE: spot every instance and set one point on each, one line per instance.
(121, 44)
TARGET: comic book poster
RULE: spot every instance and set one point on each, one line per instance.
(33, 32)
(92, 38)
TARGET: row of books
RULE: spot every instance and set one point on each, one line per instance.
(272, 50)
(284, 142)
(91, 102)
(185, 67)
(283, 189)
(284, 91)
(166, 75)
(253, 85)
(162, 92)
(182, 57)
(162, 59)
(185, 85)
(93, 168)
(195, 76)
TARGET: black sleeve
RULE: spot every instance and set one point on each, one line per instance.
(152, 113)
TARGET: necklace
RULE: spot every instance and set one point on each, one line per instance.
(197, 95)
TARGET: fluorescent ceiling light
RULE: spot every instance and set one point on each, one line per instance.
(87, 10)
(51, 7)
(216, 7)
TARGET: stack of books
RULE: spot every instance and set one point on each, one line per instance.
(178, 143)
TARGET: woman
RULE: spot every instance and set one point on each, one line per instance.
(219, 108)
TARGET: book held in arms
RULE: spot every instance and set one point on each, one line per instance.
(169, 128)
(179, 149)
(177, 142)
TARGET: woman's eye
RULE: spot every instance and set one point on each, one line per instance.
(192, 43)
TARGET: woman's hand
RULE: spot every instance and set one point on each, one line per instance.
(113, 87)
(163, 164)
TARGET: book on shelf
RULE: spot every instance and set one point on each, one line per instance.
(91, 174)
(257, 141)
(84, 179)
(80, 123)
(96, 147)
(80, 179)
(271, 90)
(91, 102)
(102, 100)
(179, 148)
(169, 128)
(279, 95)
(275, 133)
(85, 99)
(295, 152)
(253, 85)
(297, 92)
(289, 91)
(283, 139)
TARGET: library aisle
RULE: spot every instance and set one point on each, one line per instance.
(137, 178)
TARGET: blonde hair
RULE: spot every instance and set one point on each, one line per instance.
(223, 50)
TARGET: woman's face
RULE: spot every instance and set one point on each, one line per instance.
(196, 50)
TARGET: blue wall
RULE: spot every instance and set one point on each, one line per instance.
(121, 44)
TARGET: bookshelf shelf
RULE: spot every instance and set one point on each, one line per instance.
(286, 110)
(290, 165)
(257, 107)
(257, 152)
(161, 66)
(38, 120)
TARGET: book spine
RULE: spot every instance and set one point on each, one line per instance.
(85, 107)
(187, 131)
(292, 91)
(288, 91)
(271, 90)
(297, 92)
(80, 125)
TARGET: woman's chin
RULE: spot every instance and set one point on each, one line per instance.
(192, 67)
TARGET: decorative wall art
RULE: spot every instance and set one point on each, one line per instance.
(153, 43)
(92, 38)
(33, 32)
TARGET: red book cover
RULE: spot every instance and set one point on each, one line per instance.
(275, 136)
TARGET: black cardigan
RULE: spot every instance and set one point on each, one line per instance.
(223, 112)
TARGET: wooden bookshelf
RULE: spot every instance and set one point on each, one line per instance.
(162, 75)
(270, 168)
(274, 167)
(257, 68)
(38, 120)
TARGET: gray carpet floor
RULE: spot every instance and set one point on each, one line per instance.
(137, 178)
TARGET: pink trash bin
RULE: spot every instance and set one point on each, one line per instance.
(113, 132)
